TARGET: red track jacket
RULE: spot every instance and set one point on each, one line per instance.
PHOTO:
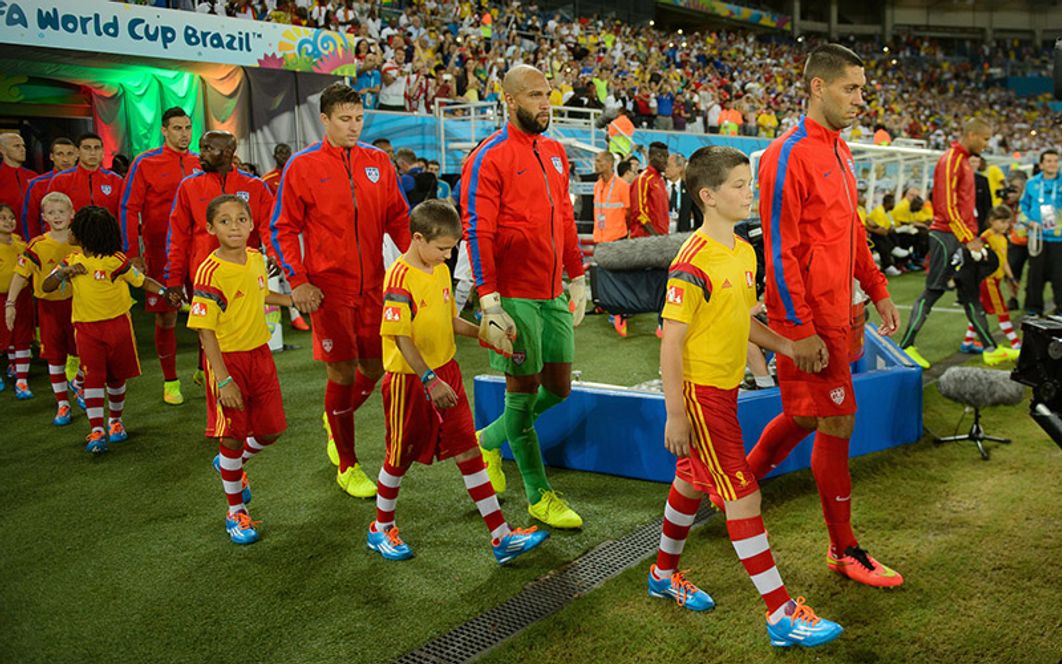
(32, 223)
(342, 201)
(954, 195)
(649, 201)
(14, 182)
(84, 187)
(272, 180)
(518, 217)
(188, 243)
(814, 243)
(148, 197)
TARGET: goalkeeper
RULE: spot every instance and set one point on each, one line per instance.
(520, 234)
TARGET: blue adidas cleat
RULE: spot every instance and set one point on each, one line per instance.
(97, 443)
(79, 397)
(803, 628)
(388, 544)
(517, 543)
(117, 433)
(241, 529)
(680, 589)
(245, 495)
(62, 416)
(22, 390)
(972, 348)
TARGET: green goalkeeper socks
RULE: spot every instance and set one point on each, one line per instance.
(519, 421)
(493, 435)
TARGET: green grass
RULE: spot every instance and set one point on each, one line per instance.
(124, 558)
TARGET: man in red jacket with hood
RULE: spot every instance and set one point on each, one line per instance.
(88, 183)
(815, 248)
(341, 196)
(144, 213)
(520, 233)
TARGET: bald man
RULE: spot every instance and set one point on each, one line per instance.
(520, 234)
(14, 179)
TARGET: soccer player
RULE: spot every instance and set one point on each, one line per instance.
(17, 339)
(426, 409)
(99, 276)
(995, 238)
(815, 249)
(648, 213)
(243, 394)
(88, 183)
(42, 255)
(953, 245)
(281, 154)
(64, 156)
(14, 178)
(144, 216)
(711, 291)
(520, 229)
(341, 196)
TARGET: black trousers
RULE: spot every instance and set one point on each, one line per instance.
(1047, 267)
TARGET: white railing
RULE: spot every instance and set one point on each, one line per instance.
(475, 114)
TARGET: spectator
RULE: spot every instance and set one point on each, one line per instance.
(649, 204)
(881, 236)
(394, 75)
(368, 82)
(1041, 204)
(665, 105)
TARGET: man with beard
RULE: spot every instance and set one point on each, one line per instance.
(520, 232)
(341, 196)
(88, 183)
(63, 156)
(144, 215)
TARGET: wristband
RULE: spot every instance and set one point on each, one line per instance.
(223, 383)
(162, 292)
(428, 377)
(10, 304)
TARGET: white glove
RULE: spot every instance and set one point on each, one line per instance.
(577, 299)
(496, 329)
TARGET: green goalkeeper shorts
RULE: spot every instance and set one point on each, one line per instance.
(544, 333)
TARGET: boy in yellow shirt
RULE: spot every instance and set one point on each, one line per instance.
(995, 236)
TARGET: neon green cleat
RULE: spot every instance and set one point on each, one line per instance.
(171, 392)
(554, 512)
(198, 378)
(73, 363)
(492, 459)
(330, 446)
(916, 357)
(1000, 354)
(356, 483)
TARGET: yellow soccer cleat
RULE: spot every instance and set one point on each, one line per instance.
(356, 483)
(1000, 354)
(554, 512)
(198, 378)
(330, 446)
(73, 363)
(492, 459)
(171, 392)
(916, 357)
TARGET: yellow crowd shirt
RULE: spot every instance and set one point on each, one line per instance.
(998, 244)
(878, 217)
(420, 306)
(901, 214)
(712, 289)
(102, 293)
(9, 255)
(41, 256)
(229, 299)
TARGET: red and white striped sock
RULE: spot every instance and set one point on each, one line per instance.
(971, 335)
(1008, 329)
(11, 355)
(482, 493)
(679, 513)
(22, 362)
(253, 446)
(94, 406)
(232, 477)
(79, 380)
(115, 401)
(387, 485)
(57, 374)
(749, 538)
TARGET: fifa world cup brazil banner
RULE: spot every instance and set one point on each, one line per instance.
(733, 12)
(112, 27)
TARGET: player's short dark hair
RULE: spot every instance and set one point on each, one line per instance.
(709, 167)
(62, 140)
(623, 168)
(828, 62)
(96, 231)
(889, 199)
(1000, 212)
(336, 94)
(88, 136)
(657, 145)
(435, 218)
(405, 156)
(384, 141)
(171, 113)
(215, 205)
(1046, 152)
(433, 162)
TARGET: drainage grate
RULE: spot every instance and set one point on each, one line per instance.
(543, 597)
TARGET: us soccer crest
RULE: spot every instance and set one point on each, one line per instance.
(327, 345)
(372, 173)
(106, 189)
(244, 196)
(558, 164)
(837, 395)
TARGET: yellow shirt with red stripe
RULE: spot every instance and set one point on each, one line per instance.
(229, 299)
(41, 256)
(712, 289)
(102, 293)
(9, 254)
(998, 244)
(420, 306)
